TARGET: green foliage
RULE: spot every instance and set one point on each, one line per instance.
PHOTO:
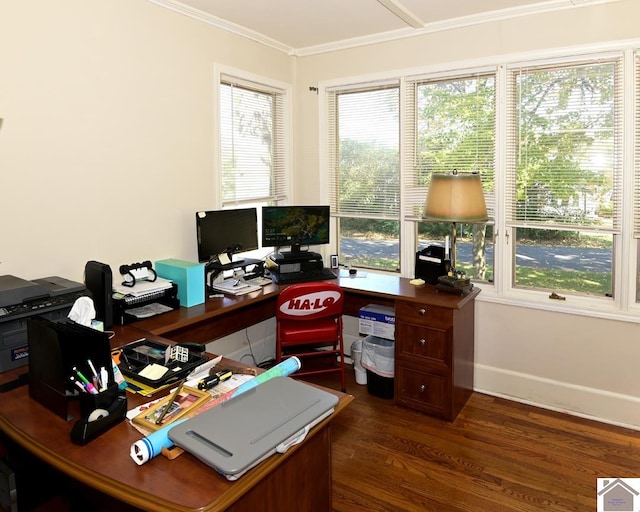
(573, 281)
(369, 178)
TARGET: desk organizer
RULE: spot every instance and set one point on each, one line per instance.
(57, 350)
(136, 356)
(99, 413)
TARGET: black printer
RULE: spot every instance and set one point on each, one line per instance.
(49, 297)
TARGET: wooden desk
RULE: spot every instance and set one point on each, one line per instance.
(300, 479)
(434, 334)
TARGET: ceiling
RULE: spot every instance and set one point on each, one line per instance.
(303, 27)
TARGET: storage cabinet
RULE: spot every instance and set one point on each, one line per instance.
(434, 355)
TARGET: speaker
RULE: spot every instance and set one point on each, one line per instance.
(99, 281)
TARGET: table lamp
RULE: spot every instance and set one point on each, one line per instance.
(457, 198)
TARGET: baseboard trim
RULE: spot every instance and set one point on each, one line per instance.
(582, 401)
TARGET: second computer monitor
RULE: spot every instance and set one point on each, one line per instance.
(226, 231)
(295, 226)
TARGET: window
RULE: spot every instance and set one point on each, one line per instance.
(364, 180)
(253, 141)
(454, 129)
(448, 123)
(564, 174)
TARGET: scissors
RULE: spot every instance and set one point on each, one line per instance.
(116, 354)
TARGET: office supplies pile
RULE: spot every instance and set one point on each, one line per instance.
(276, 410)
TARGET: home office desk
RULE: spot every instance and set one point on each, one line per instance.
(300, 479)
(434, 353)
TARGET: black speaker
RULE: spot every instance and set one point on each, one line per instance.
(99, 281)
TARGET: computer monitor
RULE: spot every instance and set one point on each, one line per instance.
(226, 231)
(295, 226)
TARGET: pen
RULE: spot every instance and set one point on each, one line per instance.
(79, 384)
(90, 388)
(168, 405)
(95, 379)
(93, 368)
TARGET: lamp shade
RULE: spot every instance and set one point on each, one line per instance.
(456, 197)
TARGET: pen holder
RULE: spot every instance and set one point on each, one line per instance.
(99, 413)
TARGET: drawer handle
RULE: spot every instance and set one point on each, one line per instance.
(423, 388)
(422, 311)
(422, 342)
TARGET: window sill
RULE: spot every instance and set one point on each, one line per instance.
(605, 308)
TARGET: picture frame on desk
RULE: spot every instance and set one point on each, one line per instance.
(187, 401)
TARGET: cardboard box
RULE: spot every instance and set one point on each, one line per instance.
(377, 321)
(189, 277)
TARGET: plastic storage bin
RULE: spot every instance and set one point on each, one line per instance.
(356, 357)
(378, 360)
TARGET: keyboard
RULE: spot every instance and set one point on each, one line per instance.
(304, 277)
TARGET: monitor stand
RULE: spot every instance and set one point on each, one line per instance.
(215, 268)
(295, 256)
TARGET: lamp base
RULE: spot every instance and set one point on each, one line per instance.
(465, 290)
(454, 281)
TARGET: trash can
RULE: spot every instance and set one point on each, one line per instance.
(356, 357)
(378, 360)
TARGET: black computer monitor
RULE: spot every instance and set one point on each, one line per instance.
(295, 226)
(226, 231)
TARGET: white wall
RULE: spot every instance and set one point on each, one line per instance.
(583, 365)
(106, 147)
(106, 153)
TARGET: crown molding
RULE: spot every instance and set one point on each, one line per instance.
(428, 28)
(228, 26)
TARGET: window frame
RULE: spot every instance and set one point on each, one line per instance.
(281, 191)
(626, 250)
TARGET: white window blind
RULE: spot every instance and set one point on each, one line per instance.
(450, 124)
(252, 132)
(363, 135)
(564, 146)
(636, 169)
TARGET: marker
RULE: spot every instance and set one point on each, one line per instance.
(104, 379)
(82, 377)
(79, 384)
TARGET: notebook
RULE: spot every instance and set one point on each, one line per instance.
(240, 433)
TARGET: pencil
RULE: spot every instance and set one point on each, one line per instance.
(168, 405)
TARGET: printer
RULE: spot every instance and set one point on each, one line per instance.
(48, 297)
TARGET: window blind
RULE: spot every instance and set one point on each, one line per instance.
(363, 151)
(636, 170)
(253, 146)
(450, 124)
(564, 146)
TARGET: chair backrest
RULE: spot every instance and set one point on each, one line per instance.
(308, 301)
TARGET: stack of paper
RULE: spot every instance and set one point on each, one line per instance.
(235, 287)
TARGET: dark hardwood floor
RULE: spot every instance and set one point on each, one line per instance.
(497, 455)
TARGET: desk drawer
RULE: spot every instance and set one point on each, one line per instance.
(423, 314)
(420, 390)
(414, 341)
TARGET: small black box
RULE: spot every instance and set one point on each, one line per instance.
(379, 386)
(431, 264)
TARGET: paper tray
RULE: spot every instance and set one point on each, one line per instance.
(236, 435)
(138, 354)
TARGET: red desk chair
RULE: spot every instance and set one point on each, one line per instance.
(309, 325)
